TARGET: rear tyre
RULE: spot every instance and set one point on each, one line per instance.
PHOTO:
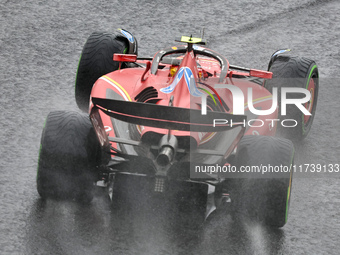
(299, 73)
(264, 200)
(69, 152)
(95, 61)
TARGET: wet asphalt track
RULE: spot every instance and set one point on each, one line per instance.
(40, 46)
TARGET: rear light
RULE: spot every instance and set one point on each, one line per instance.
(159, 184)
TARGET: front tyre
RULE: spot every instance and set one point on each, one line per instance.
(69, 152)
(95, 61)
(299, 73)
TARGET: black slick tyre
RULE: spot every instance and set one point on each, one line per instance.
(69, 152)
(298, 73)
(263, 199)
(96, 60)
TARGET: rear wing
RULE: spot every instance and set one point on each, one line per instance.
(167, 117)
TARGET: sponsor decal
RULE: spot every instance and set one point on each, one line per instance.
(191, 84)
(189, 80)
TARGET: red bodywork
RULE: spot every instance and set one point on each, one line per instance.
(126, 84)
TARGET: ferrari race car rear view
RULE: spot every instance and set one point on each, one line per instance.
(184, 125)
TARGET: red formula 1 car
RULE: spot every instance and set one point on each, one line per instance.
(184, 125)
